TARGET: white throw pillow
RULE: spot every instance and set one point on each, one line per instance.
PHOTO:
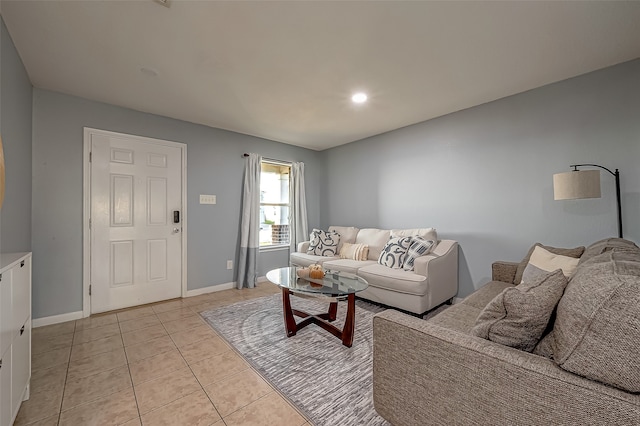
(543, 261)
(419, 247)
(394, 252)
(323, 243)
(354, 251)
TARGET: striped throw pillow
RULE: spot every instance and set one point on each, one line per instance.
(419, 247)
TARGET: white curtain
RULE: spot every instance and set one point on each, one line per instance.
(247, 271)
(298, 200)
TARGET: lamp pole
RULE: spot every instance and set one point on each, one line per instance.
(616, 174)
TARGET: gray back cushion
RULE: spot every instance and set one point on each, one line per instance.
(608, 244)
(597, 329)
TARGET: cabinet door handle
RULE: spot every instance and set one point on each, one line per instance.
(0, 363)
(22, 330)
(22, 264)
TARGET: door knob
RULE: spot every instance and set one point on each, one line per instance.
(176, 230)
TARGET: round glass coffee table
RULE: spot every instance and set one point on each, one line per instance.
(338, 285)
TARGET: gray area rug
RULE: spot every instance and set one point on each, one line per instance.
(330, 383)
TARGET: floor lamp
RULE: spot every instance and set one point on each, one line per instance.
(578, 184)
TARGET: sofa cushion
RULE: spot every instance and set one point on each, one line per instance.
(354, 251)
(375, 239)
(543, 261)
(459, 317)
(394, 252)
(347, 234)
(304, 259)
(608, 244)
(323, 243)
(597, 327)
(518, 316)
(418, 247)
(485, 294)
(394, 279)
(346, 265)
(573, 252)
(426, 233)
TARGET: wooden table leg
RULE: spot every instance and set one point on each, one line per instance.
(350, 321)
(333, 311)
(289, 320)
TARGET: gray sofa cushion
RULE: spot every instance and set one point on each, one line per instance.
(485, 294)
(597, 328)
(518, 316)
(460, 317)
(572, 252)
(608, 244)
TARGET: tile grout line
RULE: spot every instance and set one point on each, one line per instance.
(133, 388)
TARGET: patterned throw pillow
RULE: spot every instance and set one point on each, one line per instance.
(419, 247)
(394, 252)
(323, 243)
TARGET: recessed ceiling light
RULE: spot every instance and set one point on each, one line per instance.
(359, 98)
(149, 72)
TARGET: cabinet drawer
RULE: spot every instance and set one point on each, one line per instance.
(21, 289)
(6, 312)
(21, 368)
(6, 412)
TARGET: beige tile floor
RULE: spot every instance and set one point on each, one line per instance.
(157, 364)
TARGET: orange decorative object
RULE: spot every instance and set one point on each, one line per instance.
(315, 271)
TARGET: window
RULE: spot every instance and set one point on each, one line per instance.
(274, 204)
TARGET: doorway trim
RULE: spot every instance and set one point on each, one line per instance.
(86, 208)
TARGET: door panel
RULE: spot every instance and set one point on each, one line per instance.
(136, 250)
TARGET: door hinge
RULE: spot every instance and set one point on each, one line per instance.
(90, 156)
(89, 289)
(89, 223)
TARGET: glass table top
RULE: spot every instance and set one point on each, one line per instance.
(333, 284)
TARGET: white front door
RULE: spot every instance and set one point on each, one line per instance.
(135, 221)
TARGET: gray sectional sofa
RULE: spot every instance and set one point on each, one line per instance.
(433, 281)
(584, 371)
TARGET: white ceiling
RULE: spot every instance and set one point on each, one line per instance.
(285, 70)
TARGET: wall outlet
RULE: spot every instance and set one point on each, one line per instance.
(229, 264)
(207, 199)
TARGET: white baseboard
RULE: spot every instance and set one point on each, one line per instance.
(211, 289)
(457, 300)
(262, 279)
(56, 319)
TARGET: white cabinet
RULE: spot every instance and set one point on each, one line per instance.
(15, 333)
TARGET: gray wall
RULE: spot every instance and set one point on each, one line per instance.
(483, 176)
(15, 128)
(215, 166)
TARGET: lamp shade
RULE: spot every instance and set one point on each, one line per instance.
(576, 184)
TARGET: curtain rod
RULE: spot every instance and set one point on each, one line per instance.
(271, 159)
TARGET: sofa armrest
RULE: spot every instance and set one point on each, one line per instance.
(441, 269)
(504, 271)
(427, 374)
(303, 246)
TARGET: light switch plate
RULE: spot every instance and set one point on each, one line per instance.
(207, 199)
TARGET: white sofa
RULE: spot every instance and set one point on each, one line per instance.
(433, 281)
